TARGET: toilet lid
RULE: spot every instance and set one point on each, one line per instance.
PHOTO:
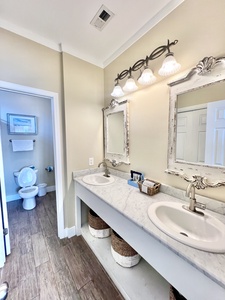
(27, 177)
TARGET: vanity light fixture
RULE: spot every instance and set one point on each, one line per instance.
(130, 85)
(147, 77)
(169, 67)
(117, 91)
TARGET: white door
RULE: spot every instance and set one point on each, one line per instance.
(4, 213)
(191, 132)
(2, 243)
(4, 239)
(215, 137)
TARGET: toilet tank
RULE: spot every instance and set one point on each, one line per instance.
(16, 174)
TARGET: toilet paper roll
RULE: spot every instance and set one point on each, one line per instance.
(144, 189)
(148, 183)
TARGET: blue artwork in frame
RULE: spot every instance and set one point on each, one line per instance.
(21, 124)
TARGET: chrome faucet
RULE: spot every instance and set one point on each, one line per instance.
(190, 192)
(106, 168)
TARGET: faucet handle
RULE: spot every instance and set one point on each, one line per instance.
(200, 205)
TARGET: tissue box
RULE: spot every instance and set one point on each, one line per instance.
(132, 182)
(135, 177)
(147, 189)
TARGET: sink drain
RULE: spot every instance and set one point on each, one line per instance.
(183, 233)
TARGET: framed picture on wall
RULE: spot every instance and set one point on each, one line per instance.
(21, 124)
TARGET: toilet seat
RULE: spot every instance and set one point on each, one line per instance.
(26, 190)
(27, 177)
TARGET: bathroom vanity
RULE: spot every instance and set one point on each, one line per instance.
(195, 273)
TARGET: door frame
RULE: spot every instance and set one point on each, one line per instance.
(57, 142)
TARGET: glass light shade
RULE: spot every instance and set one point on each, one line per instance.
(117, 91)
(170, 65)
(130, 85)
(147, 77)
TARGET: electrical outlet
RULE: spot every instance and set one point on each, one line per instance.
(91, 161)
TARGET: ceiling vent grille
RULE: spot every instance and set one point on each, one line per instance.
(103, 16)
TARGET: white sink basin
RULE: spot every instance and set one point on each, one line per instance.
(98, 179)
(205, 233)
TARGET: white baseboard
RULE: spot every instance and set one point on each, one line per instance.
(50, 188)
(14, 197)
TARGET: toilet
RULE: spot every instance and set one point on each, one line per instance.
(26, 178)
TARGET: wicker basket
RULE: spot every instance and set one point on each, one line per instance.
(122, 252)
(97, 227)
(149, 190)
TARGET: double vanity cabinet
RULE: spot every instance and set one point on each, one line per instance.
(196, 274)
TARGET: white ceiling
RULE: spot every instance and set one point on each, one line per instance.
(67, 23)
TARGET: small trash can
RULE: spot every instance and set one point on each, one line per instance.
(42, 189)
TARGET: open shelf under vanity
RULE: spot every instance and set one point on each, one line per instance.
(164, 261)
(138, 282)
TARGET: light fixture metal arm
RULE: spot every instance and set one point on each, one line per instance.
(142, 62)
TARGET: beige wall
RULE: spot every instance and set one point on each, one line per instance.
(199, 28)
(214, 92)
(84, 100)
(28, 63)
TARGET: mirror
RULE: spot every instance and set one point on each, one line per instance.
(196, 125)
(197, 121)
(116, 132)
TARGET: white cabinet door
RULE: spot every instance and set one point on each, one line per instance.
(215, 137)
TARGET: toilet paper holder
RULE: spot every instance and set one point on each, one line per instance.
(49, 168)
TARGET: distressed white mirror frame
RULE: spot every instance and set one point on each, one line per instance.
(208, 71)
(116, 107)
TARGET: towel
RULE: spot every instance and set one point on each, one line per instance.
(22, 145)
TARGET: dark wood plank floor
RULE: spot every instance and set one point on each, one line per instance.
(41, 266)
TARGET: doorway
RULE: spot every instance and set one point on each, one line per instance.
(57, 145)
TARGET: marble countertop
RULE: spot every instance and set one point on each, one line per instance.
(133, 204)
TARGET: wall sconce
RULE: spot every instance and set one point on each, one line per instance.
(169, 67)
(130, 85)
(117, 91)
(146, 77)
